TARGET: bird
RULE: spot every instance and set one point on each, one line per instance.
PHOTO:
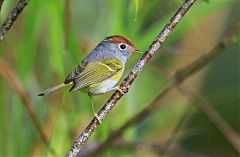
(100, 70)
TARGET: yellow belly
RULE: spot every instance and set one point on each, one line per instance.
(106, 85)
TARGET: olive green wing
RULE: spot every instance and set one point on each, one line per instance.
(77, 70)
(96, 72)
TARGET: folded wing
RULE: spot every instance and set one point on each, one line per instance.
(96, 72)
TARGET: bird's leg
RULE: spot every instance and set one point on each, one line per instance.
(115, 88)
(94, 113)
(119, 89)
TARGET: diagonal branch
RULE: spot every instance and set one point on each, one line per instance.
(12, 17)
(203, 106)
(10, 77)
(82, 139)
(177, 78)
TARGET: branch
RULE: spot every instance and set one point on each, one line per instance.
(202, 105)
(82, 139)
(12, 17)
(13, 81)
(177, 78)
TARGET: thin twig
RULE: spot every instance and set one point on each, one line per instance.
(177, 78)
(12, 79)
(81, 140)
(203, 106)
(12, 17)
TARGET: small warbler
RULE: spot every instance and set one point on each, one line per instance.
(101, 69)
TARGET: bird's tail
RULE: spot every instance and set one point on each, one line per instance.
(49, 90)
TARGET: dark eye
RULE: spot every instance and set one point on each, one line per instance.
(123, 46)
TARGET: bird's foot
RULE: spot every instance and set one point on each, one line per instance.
(119, 89)
(97, 117)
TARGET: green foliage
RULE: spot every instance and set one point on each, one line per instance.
(48, 40)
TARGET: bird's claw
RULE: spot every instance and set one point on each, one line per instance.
(97, 117)
(120, 90)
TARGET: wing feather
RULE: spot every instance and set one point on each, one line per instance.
(77, 70)
(96, 72)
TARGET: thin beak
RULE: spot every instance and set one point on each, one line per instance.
(138, 51)
(135, 51)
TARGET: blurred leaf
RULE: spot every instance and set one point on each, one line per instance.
(136, 9)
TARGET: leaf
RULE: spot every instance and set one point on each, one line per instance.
(136, 9)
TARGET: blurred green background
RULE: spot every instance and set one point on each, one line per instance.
(50, 37)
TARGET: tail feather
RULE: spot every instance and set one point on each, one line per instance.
(49, 90)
